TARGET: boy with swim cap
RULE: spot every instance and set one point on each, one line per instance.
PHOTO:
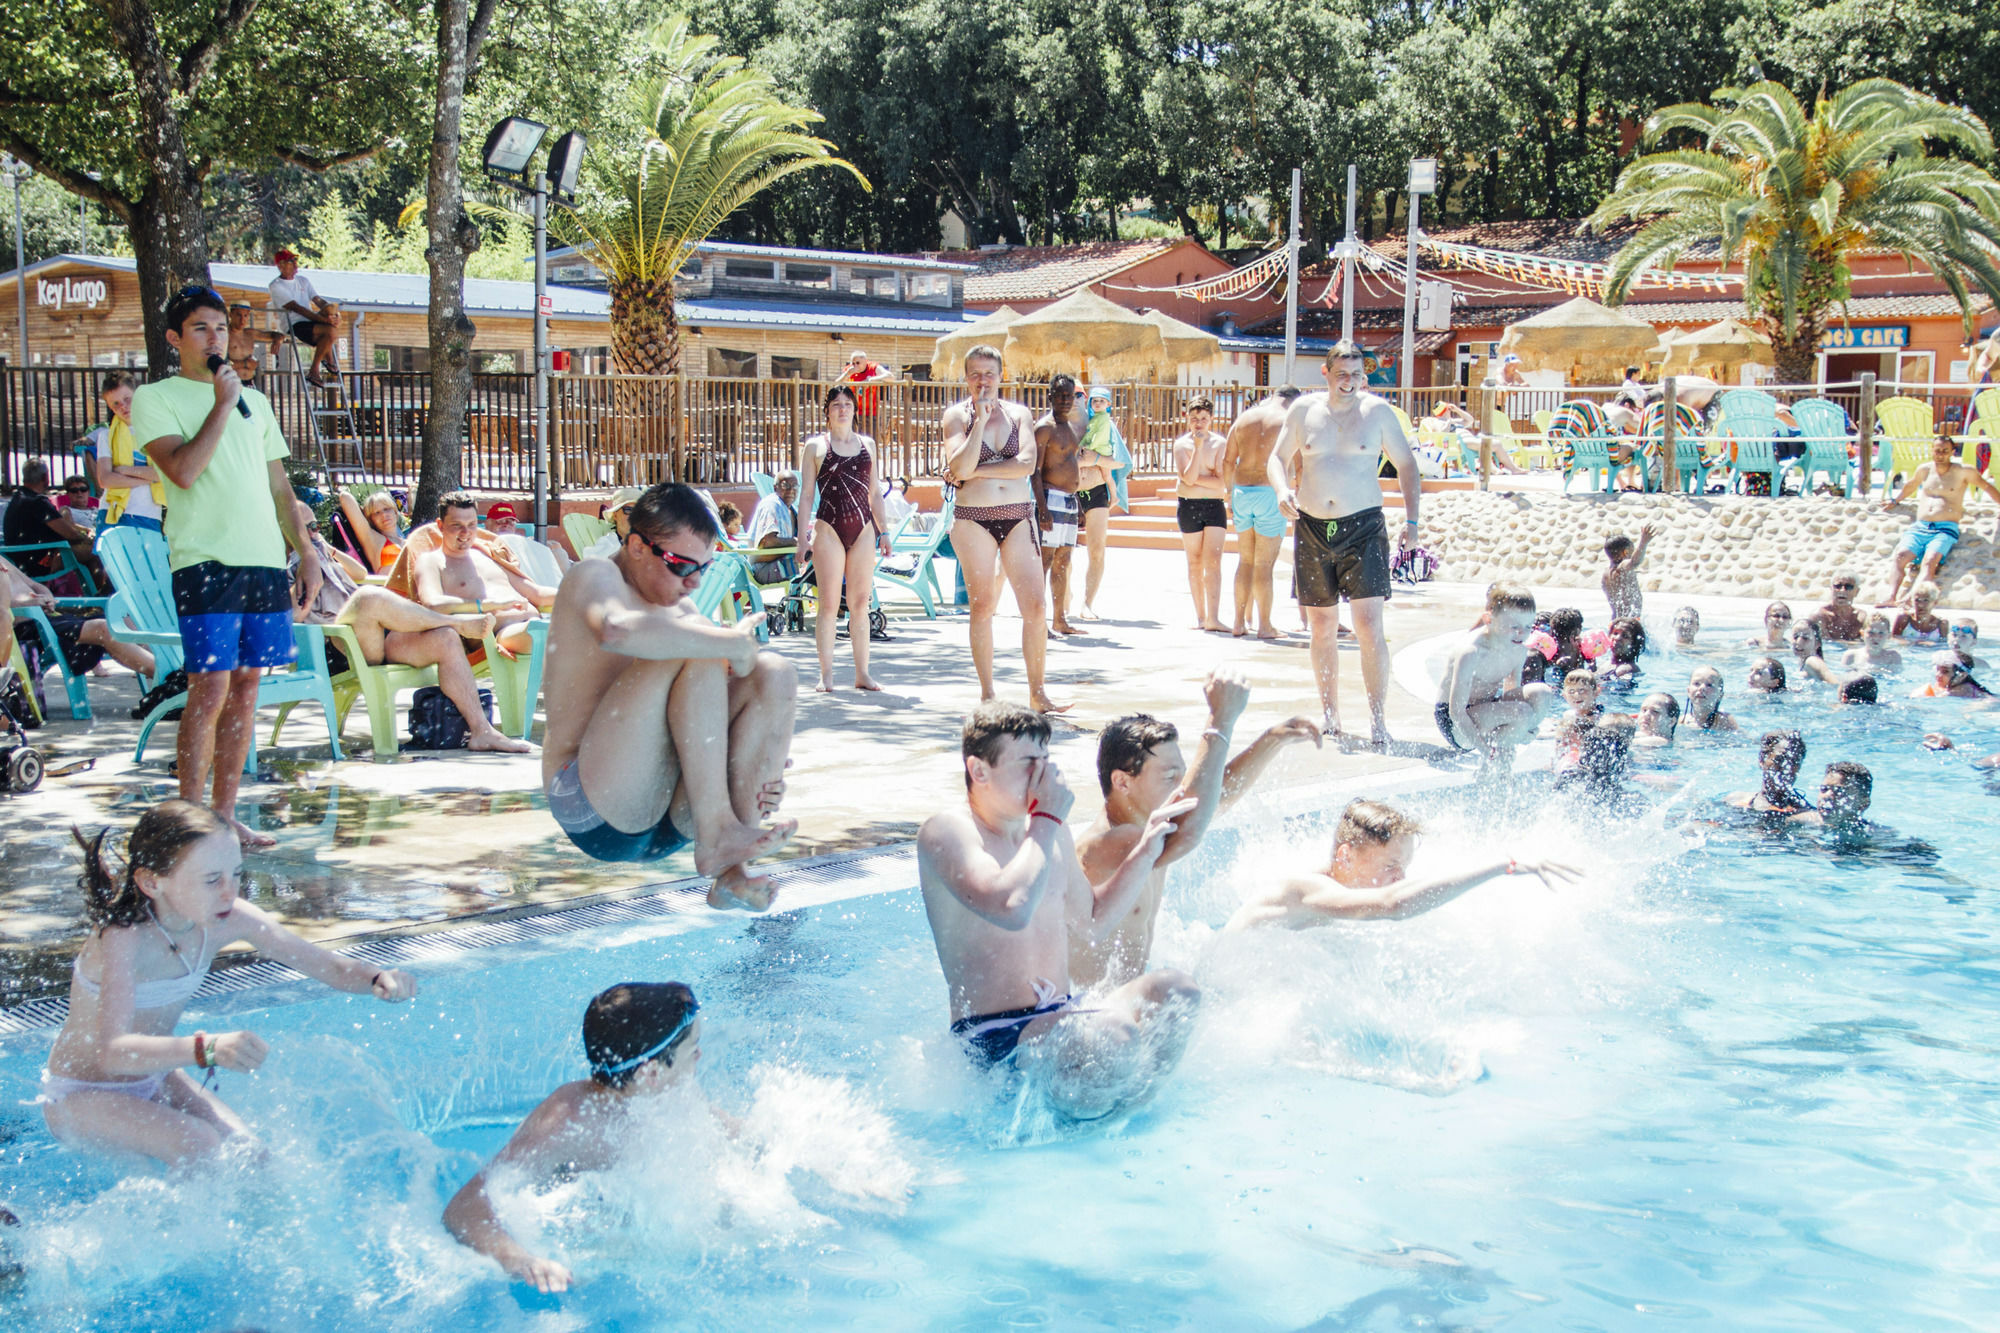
(1372, 848)
(641, 1038)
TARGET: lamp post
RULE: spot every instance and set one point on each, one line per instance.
(16, 172)
(509, 149)
(1423, 181)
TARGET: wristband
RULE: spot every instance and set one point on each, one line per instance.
(376, 978)
(1513, 866)
(1216, 732)
(201, 1054)
(1043, 814)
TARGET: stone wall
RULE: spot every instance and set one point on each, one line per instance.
(1723, 545)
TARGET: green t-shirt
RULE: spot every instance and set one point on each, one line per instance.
(227, 515)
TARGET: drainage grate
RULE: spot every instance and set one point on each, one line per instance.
(809, 882)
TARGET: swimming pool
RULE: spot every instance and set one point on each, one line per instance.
(1730, 1080)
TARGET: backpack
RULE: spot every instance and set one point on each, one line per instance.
(435, 723)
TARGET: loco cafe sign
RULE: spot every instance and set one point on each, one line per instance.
(72, 293)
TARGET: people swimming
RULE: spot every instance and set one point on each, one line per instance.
(1844, 796)
(1598, 777)
(1483, 704)
(1950, 678)
(1779, 757)
(117, 1079)
(1703, 711)
(1658, 718)
(1767, 676)
(1367, 876)
(641, 1039)
(1004, 891)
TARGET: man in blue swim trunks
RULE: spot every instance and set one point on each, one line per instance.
(1253, 506)
(230, 515)
(1940, 486)
(1005, 894)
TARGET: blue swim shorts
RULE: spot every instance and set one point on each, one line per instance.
(1256, 507)
(1930, 541)
(233, 616)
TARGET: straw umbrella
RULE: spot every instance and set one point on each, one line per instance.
(948, 358)
(1185, 343)
(1718, 349)
(1580, 337)
(1084, 329)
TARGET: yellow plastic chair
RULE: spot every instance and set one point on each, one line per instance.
(583, 530)
(1528, 450)
(1905, 425)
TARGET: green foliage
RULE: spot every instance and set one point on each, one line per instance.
(333, 241)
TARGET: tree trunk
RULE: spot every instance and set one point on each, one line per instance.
(646, 340)
(452, 237)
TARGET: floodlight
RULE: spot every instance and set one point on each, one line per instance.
(1423, 175)
(511, 144)
(565, 162)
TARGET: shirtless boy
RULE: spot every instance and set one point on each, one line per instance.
(1006, 898)
(1621, 580)
(1253, 506)
(1140, 769)
(1202, 515)
(1779, 756)
(458, 577)
(1844, 796)
(1940, 486)
(664, 727)
(1482, 704)
(990, 454)
(243, 344)
(1340, 543)
(1056, 482)
(1372, 848)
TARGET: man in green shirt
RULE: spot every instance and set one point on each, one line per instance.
(220, 453)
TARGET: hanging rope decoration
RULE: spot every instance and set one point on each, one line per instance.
(1572, 276)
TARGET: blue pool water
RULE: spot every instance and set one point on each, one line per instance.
(1730, 1080)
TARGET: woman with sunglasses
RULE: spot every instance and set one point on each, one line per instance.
(1777, 635)
(837, 467)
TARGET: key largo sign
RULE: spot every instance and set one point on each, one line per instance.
(72, 293)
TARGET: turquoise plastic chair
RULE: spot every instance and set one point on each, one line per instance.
(1688, 460)
(66, 556)
(922, 577)
(136, 560)
(765, 483)
(1823, 427)
(1578, 430)
(75, 686)
(1750, 419)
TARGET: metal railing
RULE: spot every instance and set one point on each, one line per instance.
(609, 430)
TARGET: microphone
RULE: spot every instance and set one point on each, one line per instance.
(216, 363)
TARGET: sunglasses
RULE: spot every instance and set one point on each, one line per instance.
(678, 565)
(76, 490)
(1845, 587)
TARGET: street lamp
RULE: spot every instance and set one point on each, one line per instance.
(1423, 181)
(17, 171)
(510, 147)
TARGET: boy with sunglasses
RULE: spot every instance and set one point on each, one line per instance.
(664, 728)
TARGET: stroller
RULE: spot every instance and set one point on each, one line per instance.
(791, 617)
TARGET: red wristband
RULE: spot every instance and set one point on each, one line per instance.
(1043, 814)
(200, 1051)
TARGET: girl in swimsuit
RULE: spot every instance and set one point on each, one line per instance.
(838, 472)
(990, 453)
(116, 1079)
(1704, 702)
(1920, 624)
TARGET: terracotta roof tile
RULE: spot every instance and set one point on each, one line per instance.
(1320, 322)
(1045, 272)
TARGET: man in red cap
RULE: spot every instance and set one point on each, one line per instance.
(313, 321)
(501, 519)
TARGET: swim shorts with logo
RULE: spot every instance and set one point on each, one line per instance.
(1346, 557)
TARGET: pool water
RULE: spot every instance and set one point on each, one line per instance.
(1734, 1078)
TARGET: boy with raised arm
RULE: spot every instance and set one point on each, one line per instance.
(1006, 896)
(1372, 848)
(665, 728)
(1483, 706)
(1140, 768)
(1621, 578)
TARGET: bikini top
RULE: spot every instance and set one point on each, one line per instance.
(1011, 449)
(164, 992)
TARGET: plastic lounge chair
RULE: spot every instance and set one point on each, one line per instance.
(538, 562)
(1528, 450)
(136, 560)
(1688, 460)
(66, 561)
(20, 665)
(583, 530)
(922, 577)
(1823, 427)
(1750, 418)
(1904, 425)
(765, 483)
(1578, 429)
(75, 686)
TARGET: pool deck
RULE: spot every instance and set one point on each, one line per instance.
(368, 849)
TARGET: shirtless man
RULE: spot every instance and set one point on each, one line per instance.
(1140, 768)
(1372, 849)
(1482, 704)
(1096, 492)
(665, 727)
(1253, 505)
(1340, 545)
(458, 577)
(1006, 898)
(1203, 515)
(990, 453)
(1941, 508)
(1840, 619)
(243, 343)
(1056, 481)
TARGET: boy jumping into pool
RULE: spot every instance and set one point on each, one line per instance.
(1006, 896)
(1482, 705)
(1372, 847)
(641, 1039)
(665, 728)
(1140, 769)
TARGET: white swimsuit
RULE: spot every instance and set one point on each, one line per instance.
(156, 994)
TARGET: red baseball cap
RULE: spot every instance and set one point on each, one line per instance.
(284, 255)
(501, 510)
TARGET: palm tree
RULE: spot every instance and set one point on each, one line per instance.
(716, 135)
(1792, 196)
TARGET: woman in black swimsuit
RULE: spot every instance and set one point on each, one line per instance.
(845, 529)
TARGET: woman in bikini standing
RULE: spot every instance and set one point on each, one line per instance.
(837, 470)
(989, 452)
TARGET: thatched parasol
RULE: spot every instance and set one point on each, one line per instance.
(948, 358)
(1580, 338)
(1185, 342)
(1718, 349)
(1083, 328)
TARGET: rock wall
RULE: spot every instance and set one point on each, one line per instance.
(1725, 545)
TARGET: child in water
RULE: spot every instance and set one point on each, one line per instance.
(1704, 702)
(1874, 654)
(116, 1079)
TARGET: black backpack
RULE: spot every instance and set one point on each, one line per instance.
(435, 723)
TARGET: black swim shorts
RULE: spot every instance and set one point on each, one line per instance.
(1093, 497)
(1341, 557)
(1443, 715)
(1194, 515)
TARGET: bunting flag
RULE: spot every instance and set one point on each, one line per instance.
(1226, 286)
(1572, 276)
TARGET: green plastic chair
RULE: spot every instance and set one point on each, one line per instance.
(583, 530)
(68, 564)
(922, 577)
(20, 665)
(765, 483)
(1823, 428)
(1583, 443)
(1688, 458)
(1750, 418)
